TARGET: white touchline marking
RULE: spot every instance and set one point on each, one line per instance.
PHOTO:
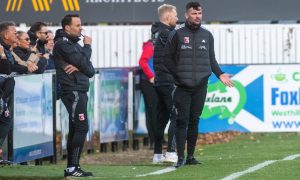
(259, 166)
(166, 170)
(251, 169)
(291, 157)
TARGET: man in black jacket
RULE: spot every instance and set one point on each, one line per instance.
(38, 34)
(191, 60)
(7, 84)
(164, 84)
(7, 39)
(73, 69)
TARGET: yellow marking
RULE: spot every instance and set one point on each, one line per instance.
(77, 7)
(65, 5)
(19, 5)
(35, 6)
(40, 3)
(14, 5)
(47, 7)
(71, 5)
(8, 5)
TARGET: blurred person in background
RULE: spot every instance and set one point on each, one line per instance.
(38, 39)
(49, 49)
(8, 38)
(190, 57)
(73, 69)
(164, 84)
(146, 84)
(23, 54)
(7, 83)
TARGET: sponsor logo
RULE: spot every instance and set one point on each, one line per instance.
(202, 47)
(42, 5)
(71, 5)
(124, 1)
(279, 77)
(203, 41)
(13, 5)
(186, 47)
(284, 97)
(223, 102)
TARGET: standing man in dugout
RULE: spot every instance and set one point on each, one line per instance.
(73, 69)
(164, 84)
(190, 57)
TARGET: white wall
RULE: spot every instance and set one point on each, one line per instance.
(120, 46)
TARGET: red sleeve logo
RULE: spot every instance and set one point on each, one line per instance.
(81, 117)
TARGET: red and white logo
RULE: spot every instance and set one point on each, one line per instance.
(6, 113)
(81, 117)
(186, 40)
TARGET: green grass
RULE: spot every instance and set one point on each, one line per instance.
(219, 161)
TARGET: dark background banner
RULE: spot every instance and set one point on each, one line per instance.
(144, 11)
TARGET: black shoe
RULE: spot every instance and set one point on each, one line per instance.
(77, 173)
(192, 161)
(180, 163)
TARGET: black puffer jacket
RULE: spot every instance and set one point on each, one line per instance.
(191, 56)
(67, 51)
(160, 33)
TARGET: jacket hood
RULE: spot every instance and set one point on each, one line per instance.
(60, 33)
(158, 26)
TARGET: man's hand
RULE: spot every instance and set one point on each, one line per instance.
(69, 69)
(34, 48)
(1, 49)
(225, 79)
(2, 55)
(87, 40)
(31, 66)
(151, 80)
(46, 55)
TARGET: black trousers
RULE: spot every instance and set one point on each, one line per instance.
(76, 105)
(188, 106)
(151, 107)
(165, 94)
(6, 90)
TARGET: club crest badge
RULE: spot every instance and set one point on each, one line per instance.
(81, 117)
(186, 40)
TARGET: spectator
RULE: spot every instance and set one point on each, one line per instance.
(7, 39)
(22, 53)
(38, 38)
(49, 49)
(7, 64)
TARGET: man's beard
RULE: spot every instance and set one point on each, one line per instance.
(42, 41)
